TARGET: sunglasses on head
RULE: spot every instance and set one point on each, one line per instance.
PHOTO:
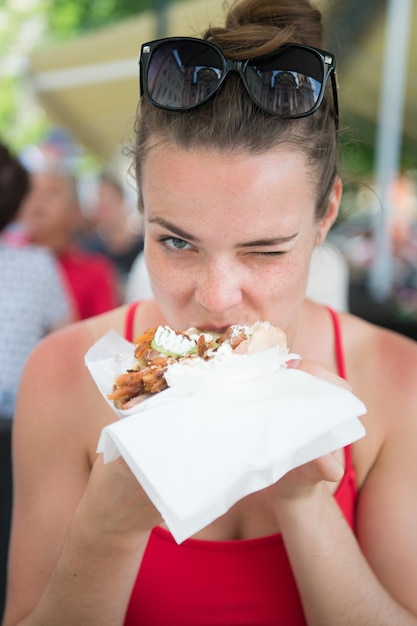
(180, 73)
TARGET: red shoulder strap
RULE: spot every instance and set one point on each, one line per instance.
(341, 367)
(130, 317)
(338, 343)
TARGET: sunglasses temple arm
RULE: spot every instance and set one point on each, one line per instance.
(141, 74)
(335, 98)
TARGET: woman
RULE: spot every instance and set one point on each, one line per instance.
(234, 199)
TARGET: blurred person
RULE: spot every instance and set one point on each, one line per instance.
(33, 298)
(114, 232)
(33, 302)
(402, 225)
(52, 215)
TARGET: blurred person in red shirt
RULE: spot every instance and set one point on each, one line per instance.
(52, 215)
(33, 303)
(115, 229)
(33, 299)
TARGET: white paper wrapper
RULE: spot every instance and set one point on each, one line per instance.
(199, 447)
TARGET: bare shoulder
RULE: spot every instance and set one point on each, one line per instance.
(379, 354)
(63, 351)
(382, 369)
(382, 366)
(56, 367)
(57, 390)
(75, 339)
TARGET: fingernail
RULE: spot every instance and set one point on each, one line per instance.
(293, 363)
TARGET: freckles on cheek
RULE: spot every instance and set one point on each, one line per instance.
(164, 278)
(287, 280)
(171, 284)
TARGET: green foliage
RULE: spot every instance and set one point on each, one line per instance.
(357, 148)
(7, 105)
(61, 19)
(68, 18)
(18, 125)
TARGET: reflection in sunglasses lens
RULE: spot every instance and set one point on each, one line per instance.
(183, 74)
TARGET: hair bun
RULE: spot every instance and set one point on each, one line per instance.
(263, 25)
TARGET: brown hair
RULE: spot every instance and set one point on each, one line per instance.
(14, 185)
(230, 121)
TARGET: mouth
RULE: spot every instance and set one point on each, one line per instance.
(218, 329)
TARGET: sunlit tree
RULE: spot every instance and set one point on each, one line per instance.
(26, 25)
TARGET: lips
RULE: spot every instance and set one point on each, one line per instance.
(218, 328)
(209, 328)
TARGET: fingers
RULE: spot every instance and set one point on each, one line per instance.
(302, 481)
(329, 468)
(117, 501)
(311, 367)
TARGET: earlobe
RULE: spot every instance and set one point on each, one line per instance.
(332, 211)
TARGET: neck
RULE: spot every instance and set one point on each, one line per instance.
(58, 244)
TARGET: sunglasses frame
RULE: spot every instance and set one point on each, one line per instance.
(327, 60)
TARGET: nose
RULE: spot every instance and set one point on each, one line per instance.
(219, 286)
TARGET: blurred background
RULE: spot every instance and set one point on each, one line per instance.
(69, 91)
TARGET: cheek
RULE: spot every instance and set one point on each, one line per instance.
(287, 277)
(164, 276)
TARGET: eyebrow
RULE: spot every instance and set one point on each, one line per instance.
(273, 241)
(174, 229)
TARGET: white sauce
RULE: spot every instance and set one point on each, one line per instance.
(194, 366)
(168, 341)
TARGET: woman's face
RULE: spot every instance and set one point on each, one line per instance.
(228, 236)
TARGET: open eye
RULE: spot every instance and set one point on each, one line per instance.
(175, 243)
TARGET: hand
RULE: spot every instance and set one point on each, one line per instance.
(117, 501)
(311, 367)
(302, 480)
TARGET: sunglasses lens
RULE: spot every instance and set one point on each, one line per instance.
(292, 90)
(183, 74)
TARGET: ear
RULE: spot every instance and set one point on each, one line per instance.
(332, 212)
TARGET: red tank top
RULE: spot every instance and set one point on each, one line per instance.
(246, 582)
